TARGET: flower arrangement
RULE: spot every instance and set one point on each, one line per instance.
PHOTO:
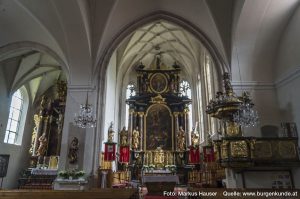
(73, 174)
(151, 166)
(171, 167)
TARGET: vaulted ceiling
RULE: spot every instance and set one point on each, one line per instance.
(246, 33)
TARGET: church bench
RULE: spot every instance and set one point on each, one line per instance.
(51, 194)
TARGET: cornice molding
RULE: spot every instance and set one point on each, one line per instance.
(288, 77)
(283, 80)
(81, 88)
(256, 85)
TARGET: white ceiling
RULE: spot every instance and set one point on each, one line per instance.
(80, 32)
(160, 38)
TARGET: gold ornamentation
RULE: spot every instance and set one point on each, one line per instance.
(262, 149)
(159, 157)
(232, 129)
(158, 83)
(287, 149)
(239, 149)
(158, 100)
(224, 150)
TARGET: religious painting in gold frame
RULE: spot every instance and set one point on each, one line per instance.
(158, 83)
(158, 128)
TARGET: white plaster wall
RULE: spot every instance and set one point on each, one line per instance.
(265, 101)
(288, 98)
(288, 58)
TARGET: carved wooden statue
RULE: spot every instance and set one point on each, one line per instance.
(73, 151)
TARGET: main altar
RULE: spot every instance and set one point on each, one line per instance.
(158, 112)
(158, 145)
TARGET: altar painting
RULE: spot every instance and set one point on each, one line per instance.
(158, 128)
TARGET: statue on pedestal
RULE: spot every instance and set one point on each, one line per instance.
(111, 133)
(124, 137)
(195, 138)
(135, 138)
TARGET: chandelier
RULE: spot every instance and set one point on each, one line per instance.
(246, 116)
(231, 108)
(85, 117)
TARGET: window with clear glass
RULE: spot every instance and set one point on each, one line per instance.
(15, 115)
(185, 90)
(130, 91)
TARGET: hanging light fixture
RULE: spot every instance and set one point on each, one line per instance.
(230, 107)
(85, 117)
(246, 115)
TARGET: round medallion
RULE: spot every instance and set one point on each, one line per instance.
(158, 83)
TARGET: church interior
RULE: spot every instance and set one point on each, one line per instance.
(136, 98)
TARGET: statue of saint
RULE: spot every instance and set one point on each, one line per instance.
(181, 139)
(42, 145)
(73, 150)
(123, 137)
(111, 133)
(195, 138)
(135, 138)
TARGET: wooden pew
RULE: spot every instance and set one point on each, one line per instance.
(53, 194)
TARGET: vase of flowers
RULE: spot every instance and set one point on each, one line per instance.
(79, 174)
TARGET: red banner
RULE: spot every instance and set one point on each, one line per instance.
(124, 154)
(110, 152)
(194, 155)
(208, 154)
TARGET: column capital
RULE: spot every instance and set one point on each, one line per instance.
(176, 114)
(141, 114)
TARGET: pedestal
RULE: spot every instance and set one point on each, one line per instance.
(64, 184)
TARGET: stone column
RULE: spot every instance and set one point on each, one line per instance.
(141, 129)
(186, 124)
(130, 125)
(176, 129)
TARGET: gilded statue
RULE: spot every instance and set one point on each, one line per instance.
(42, 145)
(73, 151)
(124, 137)
(111, 133)
(135, 138)
(195, 138)
(181, 139)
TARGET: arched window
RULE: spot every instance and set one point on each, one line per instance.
(15, 117)
(130, 91)
(185, 90)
